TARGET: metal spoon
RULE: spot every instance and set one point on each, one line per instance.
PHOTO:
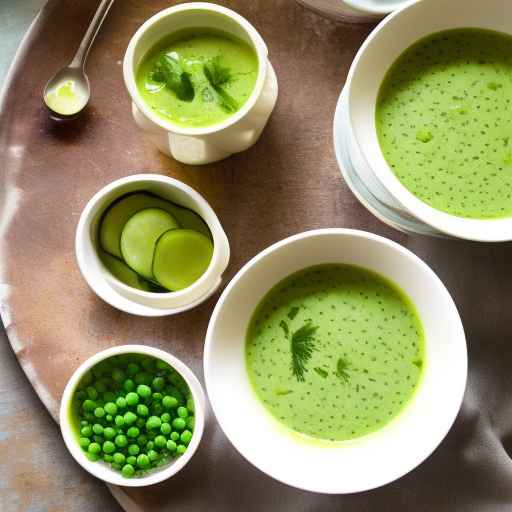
(71, 84)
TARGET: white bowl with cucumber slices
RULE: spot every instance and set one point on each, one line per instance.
(151, 245)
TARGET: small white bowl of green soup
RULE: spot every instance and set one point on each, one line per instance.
(132, 415)
(200, 81)
(150, 245)
(429, 112)
(345, 356)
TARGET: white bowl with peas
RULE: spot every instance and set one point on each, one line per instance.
(132, 415)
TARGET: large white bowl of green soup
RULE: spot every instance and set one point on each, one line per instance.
(335, 361)
(200, 81)
(429, 111)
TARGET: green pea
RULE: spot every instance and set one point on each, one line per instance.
(191, 422)
(153, 422)
(132, 399)
(142, 410)
(89, 416)
(181, 449)
(133, 449)
(110, 408)
(93, 457)
(158, 383)
(143, 378)
(143, 391)
(109, 396)
(133, 432)
(109, 418)
(166, 417)
(86, 431)
(182, 412)
(128, 385)
(84, 442)
(89, 405)
(117, 467)
(142, 440)
(150, 445)
(174, 436)
(109, 447)
(117, 375)
(148, 364)
(157, 409)
(141, 423)
(157, 396)
(132, 369)
(100, 386)
(119, 420)
(97, 429)
(131, 459)
(98, 439)
(160, 441)
(91, 393)
(128, 470)
(178, 423)
(165, 429)
(121, 440)
(186, 437)
(162, 365)
(130, 418)
(86, 379)
(109, 433)
(99, 412)
(121, 402)
(171, 446)
(143, 460)
(94, 448)
(169, 402)
(119, 458)
(108, 458)
(153, 455)
(81, 395)
(190, 405)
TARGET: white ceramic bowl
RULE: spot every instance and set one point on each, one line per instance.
(370, 461)
(384, 45)
(129, 299)
(102, 470)
(354, 11)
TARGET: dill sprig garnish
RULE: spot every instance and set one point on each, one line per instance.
(302, 347)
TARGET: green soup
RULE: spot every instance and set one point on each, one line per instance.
(335, 351)
(443, 122)
(197, 78)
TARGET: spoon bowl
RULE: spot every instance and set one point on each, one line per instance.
(67, 93)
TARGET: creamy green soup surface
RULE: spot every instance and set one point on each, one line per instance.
(443, 122)
(197, 77)
(335, 352)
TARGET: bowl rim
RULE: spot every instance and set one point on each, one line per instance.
(460, 387)
(217, 266)
(396, 5)
(259, 47)
(458, 227)
(102, 471)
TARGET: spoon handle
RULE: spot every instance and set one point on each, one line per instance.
(83, 50)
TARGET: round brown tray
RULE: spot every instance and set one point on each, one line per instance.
(287, 183)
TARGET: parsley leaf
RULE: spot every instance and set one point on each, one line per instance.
(217, 77)
(293, 312)
(169, 71)
(342, 370)
(302, 346)
(321, 372)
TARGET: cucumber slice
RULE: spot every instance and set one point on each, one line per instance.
(181, 258)
(124, 273)
(139, 236)
(117, 216)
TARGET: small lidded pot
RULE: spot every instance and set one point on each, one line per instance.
(201, 144)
